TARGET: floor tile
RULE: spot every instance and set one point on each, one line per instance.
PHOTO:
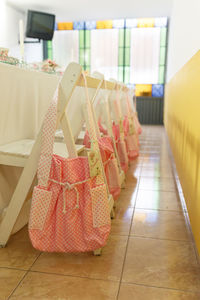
(156, 172)
(162, 263)
(139, 292)
(158, 200)
(160, 224)
(122, 222)
(18, 253)
(9, 279)
(131, 182)
(108, 266)
(155, 184)
(50, 286)
(127, 198)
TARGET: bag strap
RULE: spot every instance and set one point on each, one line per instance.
(90, 125)
(48, 136)
(128, 105)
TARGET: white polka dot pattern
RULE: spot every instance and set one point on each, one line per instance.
(131, 140)
(62, 213)
(39, 208)
(99, 203)
(121, 147)
(110, 164)
(72, 231)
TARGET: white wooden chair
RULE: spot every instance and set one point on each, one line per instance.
(25, 153)
(102, 110)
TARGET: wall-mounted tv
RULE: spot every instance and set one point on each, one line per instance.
(40, 25)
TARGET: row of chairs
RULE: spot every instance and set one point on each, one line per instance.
(110, 103)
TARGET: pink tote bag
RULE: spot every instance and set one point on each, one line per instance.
(69, 211)
(110, 163)
(121, 147)
(131, 139)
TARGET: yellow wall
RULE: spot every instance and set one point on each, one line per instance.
(182, 122)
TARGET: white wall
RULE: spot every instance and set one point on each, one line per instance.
(184, 35)
(9, 33)
(98, 10)
(9, 20)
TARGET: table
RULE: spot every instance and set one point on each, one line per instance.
(25, 96)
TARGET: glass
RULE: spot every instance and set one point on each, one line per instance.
(81, 39)
(87, 57)
(128, 37)
(127, 75)
(120, 73)
(161, 78)
(160, 22)
(127, 56)
(78, 25)
(90, 25)
(157, 90)
(120, 56)
(121, 37)
(146, 22)
(118, 23)
(87, 38)
(163, 37)
(81, 57)
(131, 23)
(162, 55)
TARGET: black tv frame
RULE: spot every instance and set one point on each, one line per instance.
(39, 36)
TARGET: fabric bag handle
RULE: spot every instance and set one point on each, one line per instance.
(90, 125)
(129, 110)
(48, 135)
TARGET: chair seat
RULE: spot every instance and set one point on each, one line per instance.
(16, 153)
(59, 137)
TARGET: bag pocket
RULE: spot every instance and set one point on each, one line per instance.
(122, 152)
(131, 141)
(100, 207)
(41, 200)
(113, 173)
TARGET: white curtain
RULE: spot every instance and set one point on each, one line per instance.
(104, 52)
(65, 47)
(145, 52)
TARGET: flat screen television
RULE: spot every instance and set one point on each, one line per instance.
(40, 25)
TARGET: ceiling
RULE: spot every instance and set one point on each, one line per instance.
(72, 10)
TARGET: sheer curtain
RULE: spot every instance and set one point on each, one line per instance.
(104, 52)
(65, 47)
(145, 51)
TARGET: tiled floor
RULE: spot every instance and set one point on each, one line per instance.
(150, 254)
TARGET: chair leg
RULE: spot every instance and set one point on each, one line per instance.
(20, 194)
(15, 205)
(123, 184)
(97, 252)
(112, 213)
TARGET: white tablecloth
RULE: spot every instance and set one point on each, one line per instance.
(24, 99)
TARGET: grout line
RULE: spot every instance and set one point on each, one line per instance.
(189, 241)
(73, 276)
(23, 276)
(13, 268)
(162, 287)
(159, 209)
(125, 255)
(17, 285)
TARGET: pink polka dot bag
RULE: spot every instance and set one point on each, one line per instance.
(70, 210)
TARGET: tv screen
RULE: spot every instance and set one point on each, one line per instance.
(40, 25)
